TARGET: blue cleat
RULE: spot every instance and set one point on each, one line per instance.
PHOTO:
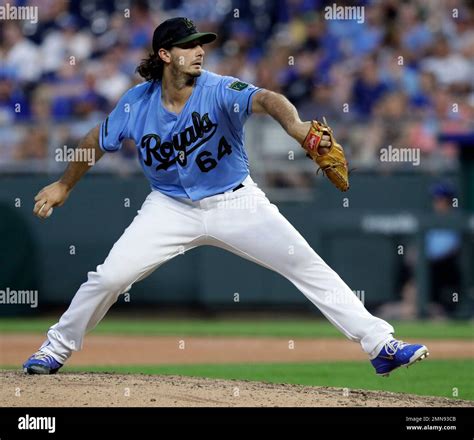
(395, 354)
(41, 363)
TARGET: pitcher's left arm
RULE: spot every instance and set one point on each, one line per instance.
(285, 113)
(316, 138)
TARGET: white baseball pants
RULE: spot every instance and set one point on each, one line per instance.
(243, 222)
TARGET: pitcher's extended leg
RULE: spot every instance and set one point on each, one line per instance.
(253, 228)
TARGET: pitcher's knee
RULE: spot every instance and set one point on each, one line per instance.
(113, 282)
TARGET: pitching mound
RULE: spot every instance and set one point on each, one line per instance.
(96, 390)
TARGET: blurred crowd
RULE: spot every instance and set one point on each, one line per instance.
(402, 77)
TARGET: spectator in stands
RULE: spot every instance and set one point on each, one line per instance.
(34, 145)
(368, 88)
(422, 100)
(111, 83)
(18, 54)
(300, 77)
(449, 68)
(66, 86)
(14, 106)
(41, 105)
(415, 31)
(66, 44)
(89, 102)
(141, 24)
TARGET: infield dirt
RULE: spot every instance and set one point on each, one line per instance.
(115, 390)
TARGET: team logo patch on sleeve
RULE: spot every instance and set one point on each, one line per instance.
(238, 85)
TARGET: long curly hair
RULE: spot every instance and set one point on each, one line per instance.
(151, 68)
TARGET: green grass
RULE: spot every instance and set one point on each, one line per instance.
(429, 378)
(304, 328)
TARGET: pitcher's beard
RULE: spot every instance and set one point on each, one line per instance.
(184, 77)
(195, 74)
(191, 76)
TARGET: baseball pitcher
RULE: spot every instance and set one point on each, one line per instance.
(187, 124)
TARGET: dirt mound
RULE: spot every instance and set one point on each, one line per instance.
(98, 390)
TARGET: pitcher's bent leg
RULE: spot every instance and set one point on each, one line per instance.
(267, 238)
(156, 235)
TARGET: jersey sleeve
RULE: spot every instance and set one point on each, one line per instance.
(114, 129)
(235, 99)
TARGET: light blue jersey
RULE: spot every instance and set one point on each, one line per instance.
(195, 154)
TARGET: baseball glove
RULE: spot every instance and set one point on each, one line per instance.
(333, 163)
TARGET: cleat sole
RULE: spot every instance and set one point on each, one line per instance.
(39, 369)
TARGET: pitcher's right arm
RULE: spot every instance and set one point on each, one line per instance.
(57, 193)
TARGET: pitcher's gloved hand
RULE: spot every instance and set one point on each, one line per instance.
(330, 160)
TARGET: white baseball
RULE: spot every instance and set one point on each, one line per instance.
(48, 214)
